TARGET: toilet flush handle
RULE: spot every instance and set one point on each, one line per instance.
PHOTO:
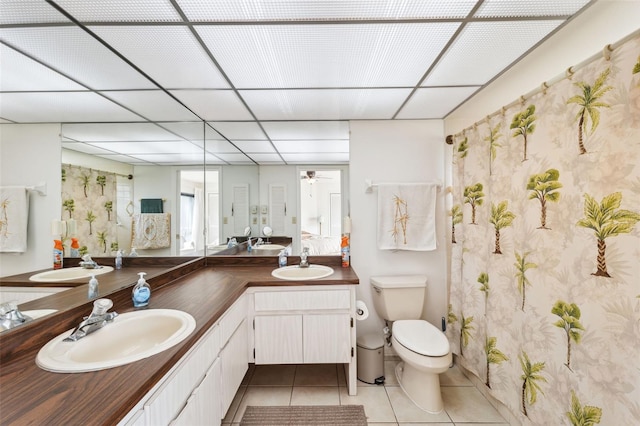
(376, 289)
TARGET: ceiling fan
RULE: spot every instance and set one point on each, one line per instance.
(310, 176)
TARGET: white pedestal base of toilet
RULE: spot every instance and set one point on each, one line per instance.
(423, 389)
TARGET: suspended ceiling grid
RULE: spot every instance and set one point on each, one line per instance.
(173, 82)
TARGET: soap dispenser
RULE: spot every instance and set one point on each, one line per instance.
(93, 287)
(119, 259)
(141, 292)
(282, 259)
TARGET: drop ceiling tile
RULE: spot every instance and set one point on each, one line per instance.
(191, 131)
(315, 158)
(28, 12)
(19, 73)
(435, 102)
(257, 146)
(101, 132)
(356, 55)
(239, 130)
(171, 159)
(137, 148)
(84, 148)
(168, 54)
(120, 10)
(515, 8)
(124, 159)
(326, 104)
(267, 159)
(73, 52)
(217, 147)
(235, 158)
(307, 129)
(309, 146)
(154, 105)
(287, 10)
(485, 48)
(213, 105)
(52, 107)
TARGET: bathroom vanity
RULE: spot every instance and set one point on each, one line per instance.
(295, 322)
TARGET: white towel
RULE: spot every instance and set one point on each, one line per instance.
(14, 217)
(407, 216)
(151, 230)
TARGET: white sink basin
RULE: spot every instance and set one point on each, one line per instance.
(67, 274)
(296, 273)
(266, 247)
(130, 337)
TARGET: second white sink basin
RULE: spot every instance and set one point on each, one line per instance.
(296, 273)
(130, 337)
(268, 247)
(67, 274)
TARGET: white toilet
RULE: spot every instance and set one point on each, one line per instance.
(423, 348)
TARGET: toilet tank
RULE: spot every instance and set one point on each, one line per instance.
(399, 297)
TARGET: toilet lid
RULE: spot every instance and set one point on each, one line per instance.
(421, 337)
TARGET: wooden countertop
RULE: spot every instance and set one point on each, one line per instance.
(30, 395)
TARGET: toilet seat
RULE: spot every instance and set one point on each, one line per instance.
(421, 337)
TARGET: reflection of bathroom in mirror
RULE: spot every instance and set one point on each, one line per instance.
(199, 205)
(321, 211)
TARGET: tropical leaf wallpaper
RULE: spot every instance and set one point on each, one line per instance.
(545, 275)
(89, 197)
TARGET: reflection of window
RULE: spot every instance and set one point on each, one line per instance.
(186, 220)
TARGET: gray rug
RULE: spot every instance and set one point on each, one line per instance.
(305, 415)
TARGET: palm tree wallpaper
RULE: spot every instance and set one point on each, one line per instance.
(89, 197)
(559, 341)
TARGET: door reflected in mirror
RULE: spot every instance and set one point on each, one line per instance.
(321, 211)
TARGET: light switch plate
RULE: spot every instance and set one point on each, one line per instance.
(294, 220)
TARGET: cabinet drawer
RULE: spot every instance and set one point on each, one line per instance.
(232, 319)
(301, 300)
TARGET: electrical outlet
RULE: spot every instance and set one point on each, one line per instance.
(225, 220)
(294, 220)
(264, 220)
(255, 220)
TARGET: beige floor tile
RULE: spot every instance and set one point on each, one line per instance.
(375, 401)
(383, 424)
(315, 395)
(273, 375)
(263, 396)
(425, 424)
(407, 411)
(231, 412)
(390, 378)
(467, 404)
(248, 374)
(454, 377)
(480, 424)
(316, 375)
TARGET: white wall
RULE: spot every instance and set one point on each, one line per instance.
(395, 151)
(30, 155)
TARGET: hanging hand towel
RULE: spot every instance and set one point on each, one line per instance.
(407, 216)
(151, 205)
(14, 215)
(151, 230)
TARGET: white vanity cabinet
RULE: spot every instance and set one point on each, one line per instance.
(304, 325)
(196, 390)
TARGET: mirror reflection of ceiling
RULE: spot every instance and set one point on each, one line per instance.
(272, 82)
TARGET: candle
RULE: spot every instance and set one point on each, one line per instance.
(346, 225)
(72, 227)
(56, 227)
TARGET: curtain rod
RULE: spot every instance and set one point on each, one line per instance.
(606, 53)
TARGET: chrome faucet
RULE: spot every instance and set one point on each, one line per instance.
(304, 263)
(98, 318)
(11, 317)
(259, 241)
(88, 263)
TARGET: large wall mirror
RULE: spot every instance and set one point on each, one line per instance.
(205, 198)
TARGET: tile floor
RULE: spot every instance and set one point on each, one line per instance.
(325, 384)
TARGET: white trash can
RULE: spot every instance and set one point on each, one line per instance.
(371, 358)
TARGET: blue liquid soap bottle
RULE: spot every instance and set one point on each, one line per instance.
(141, 292)
(93, 287)
(118, 259)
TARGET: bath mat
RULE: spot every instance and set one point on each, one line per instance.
(305, 415)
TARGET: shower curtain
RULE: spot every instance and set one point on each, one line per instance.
(545, 273)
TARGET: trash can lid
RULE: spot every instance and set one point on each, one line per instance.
(370, 341)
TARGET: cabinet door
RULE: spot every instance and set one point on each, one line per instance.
(327, 338)
(234, 363)
(278, 339)
(203, 406)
